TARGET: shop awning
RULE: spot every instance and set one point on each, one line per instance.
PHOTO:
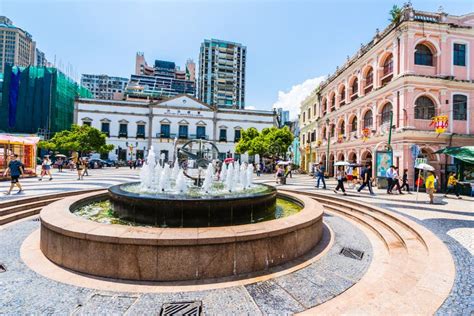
(25, 140)
(465, 153)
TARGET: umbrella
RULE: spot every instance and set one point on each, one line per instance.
(60, 156)
(422, 166)
(425, 166)
(355, 164)
(465, 153)
(284, 163)
(341, 163)
(227, 160)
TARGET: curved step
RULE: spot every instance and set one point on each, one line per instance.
(11, 211)
(415, 281)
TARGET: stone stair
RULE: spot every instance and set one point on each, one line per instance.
(14, 210)
(412, 271)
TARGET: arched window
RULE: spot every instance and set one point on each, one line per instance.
(369, 78)
(342, 96)
(304, 116)
(333, 102)
(386, 111)
(355, 89)
(354, 124)
(309, 113)
(341, 128)
(314, 109)
(324, 136)
(424, 108)
(368, 119)
(333, 130)
(369, 81)
(325, 106)
(388, 66)
(459, 107)
(423, 55)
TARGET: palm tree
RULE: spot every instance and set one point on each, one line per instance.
(395, 14)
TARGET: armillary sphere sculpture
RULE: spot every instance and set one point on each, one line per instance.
(203, 152)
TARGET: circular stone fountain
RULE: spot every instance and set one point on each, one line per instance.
(172, 230)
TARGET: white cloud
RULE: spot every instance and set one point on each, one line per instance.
(292, 99)
(250, 107)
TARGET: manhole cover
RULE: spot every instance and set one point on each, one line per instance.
(3, 268)
(352, 253)
(182, 308)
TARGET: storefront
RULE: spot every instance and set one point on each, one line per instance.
(24, 147)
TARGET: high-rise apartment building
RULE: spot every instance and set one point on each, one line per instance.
(163, 79)
(17, 47)
(40, 58)
(222, 73)
(105, 87)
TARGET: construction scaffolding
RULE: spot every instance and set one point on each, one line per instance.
(38, 100)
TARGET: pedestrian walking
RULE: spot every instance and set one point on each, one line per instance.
(85, 172)
(366, 175)
(320, 175)
(60, 163)
(288, 171)
(340, 177)
(389, 176)
(405, 180)
(453, 185)
(259, 170)
(15, 168)
(46, 168)
(430, 186)
(80, 168)
(396, 181)
(280, 173)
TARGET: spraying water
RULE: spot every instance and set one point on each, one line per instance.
(181, 185)
(208, 178)
(229, 181)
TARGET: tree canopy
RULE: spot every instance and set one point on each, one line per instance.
(83, 139)
(270, 142)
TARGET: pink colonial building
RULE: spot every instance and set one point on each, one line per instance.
(414, 70)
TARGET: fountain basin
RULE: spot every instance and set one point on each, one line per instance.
(184, 210)
(174, 254)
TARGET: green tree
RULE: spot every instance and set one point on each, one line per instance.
(395, 14)
(83, 139)
(270, 142)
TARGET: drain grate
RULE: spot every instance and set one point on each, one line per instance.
(182, 308)
(36, 219)
(3, 268)
(352, 253)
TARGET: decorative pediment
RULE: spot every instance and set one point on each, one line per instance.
(185, 101)
(165, 121)
(141, 122)
(237, 127)
(183, 122)
(123, 122)
(105, 120)
(86, 119)
(223, 127)
(201, 123)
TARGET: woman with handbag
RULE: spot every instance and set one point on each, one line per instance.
(340, 177)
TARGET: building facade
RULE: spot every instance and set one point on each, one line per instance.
(17, 47)
(133, 127)
(416, 69)
(40, 59)
(222, 73)
(163, 79)
(105, 87)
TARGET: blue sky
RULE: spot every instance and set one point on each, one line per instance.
(288, 42)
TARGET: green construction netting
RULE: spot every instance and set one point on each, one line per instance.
(45, 100)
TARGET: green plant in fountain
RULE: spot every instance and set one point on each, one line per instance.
(82, 139)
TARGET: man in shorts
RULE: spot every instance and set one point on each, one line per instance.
(15, 167)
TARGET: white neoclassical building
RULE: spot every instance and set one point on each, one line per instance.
(133, 127)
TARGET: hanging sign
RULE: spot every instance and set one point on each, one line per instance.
(440, 123)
